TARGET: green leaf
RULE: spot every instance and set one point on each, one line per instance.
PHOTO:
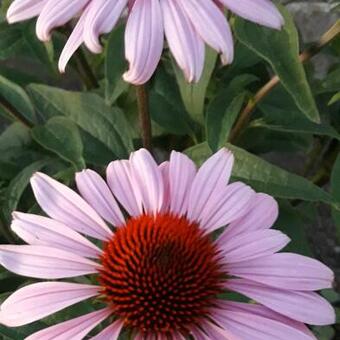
(335, 188)
(104, 123)
(43, 51)
(15, 152)
(61, 136)
(115, 65)
(300, 127)
(281, 50)
(18, 185)
(223, 110)
(291, 222)
(282, 114)
(18, 98)
(11, 41)
(166, 106)
(265, 177)
(335, 99)
(15, 136)
(193, 95)
(221, 115)
(332, 81)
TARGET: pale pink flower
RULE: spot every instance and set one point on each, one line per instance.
(160, 270)
(187, 25)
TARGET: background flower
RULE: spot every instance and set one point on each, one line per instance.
(160, 272)
(187, 25)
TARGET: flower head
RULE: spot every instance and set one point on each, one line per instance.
(187, 25)
(160, 269)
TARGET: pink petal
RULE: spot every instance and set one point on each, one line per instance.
(212, 175)
(265, 312)
(164, 169)
(39, 230)
(63, 204)
(143, 40)
(38, 300)
(212, 26)
(185, 44)
(118, 176)
(95, 191)
(306, 307)
(75, 329)
(20, 10)
(248, 246)
(147, 180)
(102, 18)
(198, 334)
(286, 271)
(256, 327)
(262, 214)
(182, 171)
(216, 333)
(44, 262)
(55, 14)
(263, 12)
(111, 332)
(225, 206)
(73, 42)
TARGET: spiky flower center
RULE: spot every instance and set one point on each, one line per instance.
(160, 274)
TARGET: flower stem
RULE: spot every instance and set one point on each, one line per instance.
(306, 55)
(13, 112)
(144, 116)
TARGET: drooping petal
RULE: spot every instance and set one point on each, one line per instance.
(147, 180)
(63, 204)
(95, 191)
(286, 271)
(263, 12)
(164, 169)
(184, 42)
(102, 18)
(118, 176)
(252, 326)
(44, 262)
(248, 246)
(211, 24)
(75, 329)
(73, 42)
(262, 214)
(182, 171)
(306, 307)
(39, 230)
(20, 10)
(38, 300)
(144, 37)
(55, 14)
(225, 205)
(111, 332)
(212, 175)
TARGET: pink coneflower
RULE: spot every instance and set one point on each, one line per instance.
(187, 25)
(161, 271)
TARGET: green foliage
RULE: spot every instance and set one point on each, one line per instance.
(281, 50)
(61, 136)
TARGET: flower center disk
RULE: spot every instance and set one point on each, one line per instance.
(160, 274)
